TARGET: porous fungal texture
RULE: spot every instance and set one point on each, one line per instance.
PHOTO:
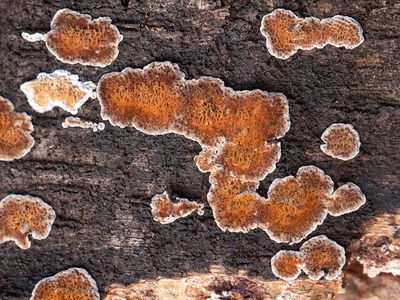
(72, 284)
(77, 122)
(61, 89)
(76, 38)
(15, 132)
(341, 141)
(286, 33)
(318, 257)
(21, 216)
(165, 211)
(238, 133)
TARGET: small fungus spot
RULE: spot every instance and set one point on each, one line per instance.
(76, 38)
(286, 33)
(15, 132)
(77, 122)
(72, 284)
(318, 257)
(165, 211)
(59, 88)
(21, 216)
(341, 141)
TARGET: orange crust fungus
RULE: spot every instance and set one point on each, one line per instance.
(77, 122)
(15, 132)
(76, 38)
(165, 211)
(341, 141)
(72, 284)
(318, 257)
(286, 33)
(238, 132)
(21, 216)
(59, 88)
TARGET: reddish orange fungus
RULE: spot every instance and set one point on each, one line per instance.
(21, 216)
(72, 284)
(341, 141)
(76, 38)
(15, 132)
(165, 211)
(286, 33)
(317, 257)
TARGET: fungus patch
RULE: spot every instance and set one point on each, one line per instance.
(77, 122)
(21, 216)
(165, 211)
(72, 284)
(59, 88)
(238, 133)
(286, 33)
(341, 141)
(76, 38)
(318, 257)
(15, 132)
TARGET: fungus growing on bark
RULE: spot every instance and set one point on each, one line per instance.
(76, 38)
(238, 133)
(72, 284)
(59, 88)
(77, 122)
(286, 33)
(21, 216)
(341, 141)
(15, 132)
(318, 257)
(165, 211)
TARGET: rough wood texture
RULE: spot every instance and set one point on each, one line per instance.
(100, 184)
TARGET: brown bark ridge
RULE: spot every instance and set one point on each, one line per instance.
(100, 184)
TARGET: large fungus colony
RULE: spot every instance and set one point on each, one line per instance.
(72, 284)
(318, 257)
(238, 133)
(21, 216)
(165, 211)
(76, 38)
(341, 141)
(15, 132)
(59, 88)
(286, 33)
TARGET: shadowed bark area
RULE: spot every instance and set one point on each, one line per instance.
(100, 184)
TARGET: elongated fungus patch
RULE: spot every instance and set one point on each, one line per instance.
(341, 141)
(77, 122)
(21, 216)
(286, 33)
(59, 88)
(72, 284)
(238, 133)
(15, 132)
(76, 38)
(165, 211)
(318, 257)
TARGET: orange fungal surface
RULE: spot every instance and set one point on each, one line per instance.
(21, 216)
(238, 133)
(77, 122)
(341, 141)
(165, 211)
(59, 88)
(15, 132)
(72, 284)
(286, 33)
(287, 264)
(76, 38)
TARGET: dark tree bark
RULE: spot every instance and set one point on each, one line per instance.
(100, 184)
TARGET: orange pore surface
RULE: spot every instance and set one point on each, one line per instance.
(287, 264)
(15, 129)
(286, 33)
(73, 284)
(75, 38)
(341, 141)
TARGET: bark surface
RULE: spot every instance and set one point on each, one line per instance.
(100, 183)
